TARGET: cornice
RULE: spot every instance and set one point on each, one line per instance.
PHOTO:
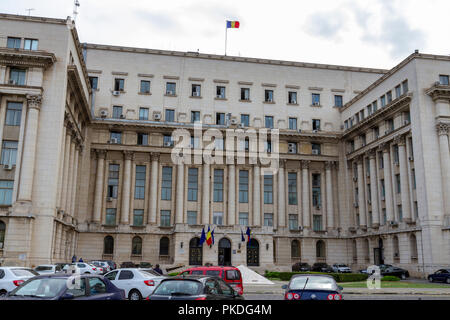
(439, 92)
(31, 58)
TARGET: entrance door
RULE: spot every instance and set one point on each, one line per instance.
(224, 252)
(195, 252)
(253, 253)
(378, 257)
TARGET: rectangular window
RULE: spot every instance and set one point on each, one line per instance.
(110, 219)
(142, 139)
(317, 223)
(416, 210)
(115, 137)
(218, 144)
(384, 216)
(292, 97)
(268, 219)
(138, 217)
(220, 118)
(113, 180)
(292, 188)
(166, 184)
(143, 113)
(93, 82)
(361, 114)
(268, 189)
(171, 88)
(6, 190)
(139, 190)
(268, 146)
(400, 212)
(9, 153)
(13, 113)
(13, 43)
(245, 94)
(245, 120)
(243, 218)
(316, 149)
(243, 186)
(398, 91)
(165, 218)
(383, 191)
(316, 124)
(292, 123)
(381, 160)
(17, 76)
(30, 44)
(405, 88)
(383, 100)
(119, 84)
(389, 96)
(268, 95)
(374, 106)
(195, 116)
(293, 222)
(192, 217)
(220, 92)
(316, 99)
(413, 174)
(170, 115)
(396, 155)
(444, 80)
(218, 185)
(316, 190)
(292, 147)
(218, 218)
(338, 101)
(390, 125)
(145, 86)
(397, 180)
(269, 122)
(117, 112)
(192, 184)
(196, 90)
(376, 132)
(369, 109)
(167, 140)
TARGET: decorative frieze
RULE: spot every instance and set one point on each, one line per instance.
(442, 129)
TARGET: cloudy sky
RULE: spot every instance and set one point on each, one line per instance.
(369, 33)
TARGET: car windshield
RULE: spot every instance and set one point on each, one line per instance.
(44, 268)
(147, 273)
(41, 288)
(314, 283)
(178, 287)
(24, 272)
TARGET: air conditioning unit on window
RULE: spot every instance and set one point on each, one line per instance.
(12, 81)
(315, 152)
(383, 198)
(355, 179)
(103, 113)
(167, 144)
(369, 201)
(109, 199)
(316, 103)
(116, 93)
(356, 205)
(393, 223)
(411, 158)
(8, 167)
(315, 131)
(122, 116)
(157, 116)
(241, 126)
(196, 94)
(114, 141)
(234, 121)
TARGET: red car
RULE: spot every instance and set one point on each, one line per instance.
(230, 275)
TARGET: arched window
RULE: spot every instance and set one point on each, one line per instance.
(396, 249)
(224, 257)
(108, 245)
(320, 249)
(2, 234)
(295, 249)
(164, 246)
(136, 246)
(413, 247)
(253, 253)
(195, 252)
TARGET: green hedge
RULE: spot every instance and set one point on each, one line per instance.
(390, 278)
(339, 277)
(173, 274)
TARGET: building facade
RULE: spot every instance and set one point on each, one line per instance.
(87, 155)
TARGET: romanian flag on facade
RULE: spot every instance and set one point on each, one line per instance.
(248, 234)
(209, 237)
(232, 24)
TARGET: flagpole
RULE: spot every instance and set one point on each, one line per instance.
(226, 33)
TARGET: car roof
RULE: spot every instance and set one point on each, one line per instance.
(312, 275)
(15, 267)
(67, 275)
(198, 277)
(213, 268)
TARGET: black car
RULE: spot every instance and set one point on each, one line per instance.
(395, 271)
(127, 264)
(321, 267)
(59, 287)
(381, 266)
(191, 287)
(301, 267)
(312, 287)
(442, 275)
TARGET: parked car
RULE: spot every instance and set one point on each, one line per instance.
(80, 267)
(381, 266)
(301, 267)
(48, 268)
(143, 265)
(103, 265)
(442, 275)
(136, 283)
(12, 277)
(312, 287)
(341, 268)
(112, 264)
(395, 271)
(230, 275)
(127, 264)
(194, 287)
(61, 265)
(54, 287)
(321, 267)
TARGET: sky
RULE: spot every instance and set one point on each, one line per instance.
(365, 33)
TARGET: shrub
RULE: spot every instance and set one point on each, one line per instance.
(390, 278)
(339, 277)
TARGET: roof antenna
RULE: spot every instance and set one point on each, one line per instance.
(76, 4)
(29, 10)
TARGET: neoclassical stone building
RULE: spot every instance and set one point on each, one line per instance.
(87, 167)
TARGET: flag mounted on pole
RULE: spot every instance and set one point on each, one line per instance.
(242, 236)
(203, 237)
(209, 239)
(248, 234)
(233, 24)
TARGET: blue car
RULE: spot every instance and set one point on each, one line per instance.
(67, 287)
(442, 275)
(312, 287)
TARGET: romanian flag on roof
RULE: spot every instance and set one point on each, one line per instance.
(232, 24)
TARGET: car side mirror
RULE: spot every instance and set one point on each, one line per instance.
(284, 286)
(340, 288)
(68, 296)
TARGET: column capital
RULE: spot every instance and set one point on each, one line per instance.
(371, 154)
(442, 129)
(230, 160)
(34, 101)
(101, 154)
(155, 156)
(282, 163)
(128, 155)
(329, 165)
(400, 140)
(359, 159)
(305, 164)
(385, 147)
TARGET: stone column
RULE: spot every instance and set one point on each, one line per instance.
(75, 178)
(374, 189)
(154, 174)
(406, 207)
(70, 176)
(205, 193)
(281, 195)
(361, 192)
(29, 149)
(329, 185)
(231, 191)
(126, 189)
(256, 195)
(386, 148)
(443, 131)
(98, 197)
(65, 181)
(180, 193)
(306, 194)
(61, 165)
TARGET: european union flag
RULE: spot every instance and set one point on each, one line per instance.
(248, 233)
(203, 237)
(242, 236)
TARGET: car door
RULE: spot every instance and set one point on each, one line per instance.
(439, 275)
(78, 289)
(97, 289)
(125, 281)
(226, 291)
(212, 289)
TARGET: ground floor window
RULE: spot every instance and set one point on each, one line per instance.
(108, 245)
(195, 252)
(253, 253)
(6, 190)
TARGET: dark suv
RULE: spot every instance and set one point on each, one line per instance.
(301, 267)
(321, 267)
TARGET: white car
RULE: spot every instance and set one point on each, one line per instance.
(48, 268)
(103, 265)
(81, 267)
(12, 277)
(138, 284)
(341, 268)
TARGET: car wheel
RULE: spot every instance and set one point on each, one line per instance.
(134, 295)
(447, 280)
(87, 272)
(430, 279)
(3, 293)
(403, 276)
